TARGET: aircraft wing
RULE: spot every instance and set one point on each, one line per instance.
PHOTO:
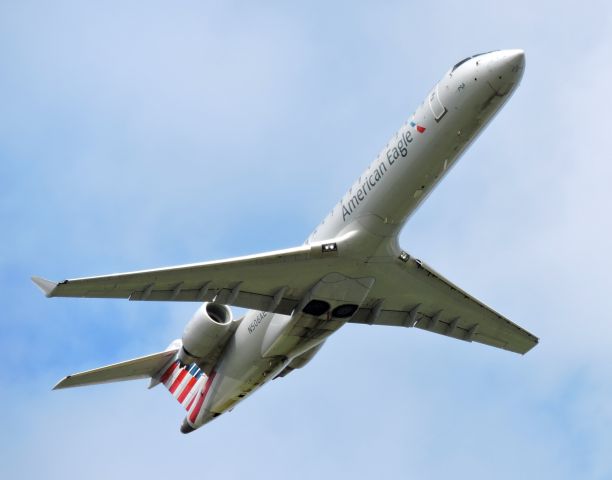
(405, 292)
(412, 294)
(272, 281)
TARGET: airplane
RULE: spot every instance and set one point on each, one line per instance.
(351, 268)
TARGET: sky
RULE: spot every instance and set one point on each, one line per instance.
(144, 134)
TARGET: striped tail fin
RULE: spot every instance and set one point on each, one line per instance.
(183, 382)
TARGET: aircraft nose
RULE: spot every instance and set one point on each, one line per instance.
(505, 70)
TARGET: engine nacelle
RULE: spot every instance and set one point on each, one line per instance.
(208, 327)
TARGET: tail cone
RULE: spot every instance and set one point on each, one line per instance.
(186, 428)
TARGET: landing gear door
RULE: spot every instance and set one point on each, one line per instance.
(435, 105)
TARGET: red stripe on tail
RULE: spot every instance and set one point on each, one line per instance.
(187, 389)
(178, 381)
(168, 373)
(191, 402)
(198, 406)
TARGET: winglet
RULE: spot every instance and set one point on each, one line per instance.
(46, 286)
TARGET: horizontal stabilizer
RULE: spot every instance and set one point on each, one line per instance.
(143, 367)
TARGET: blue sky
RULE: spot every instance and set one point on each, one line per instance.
(145, 134)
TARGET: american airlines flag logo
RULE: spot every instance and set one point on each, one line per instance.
(183, 382)
(419, 128)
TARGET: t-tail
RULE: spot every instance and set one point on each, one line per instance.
(181, 368)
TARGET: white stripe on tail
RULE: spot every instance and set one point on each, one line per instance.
(183, 382)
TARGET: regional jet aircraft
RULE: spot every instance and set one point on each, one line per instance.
(350, 269)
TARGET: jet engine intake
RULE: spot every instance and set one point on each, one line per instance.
(209, 326)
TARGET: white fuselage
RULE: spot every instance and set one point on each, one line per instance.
(373, 211)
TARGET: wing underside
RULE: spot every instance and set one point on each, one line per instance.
(412, 294)
(262, 282)
(406, 291)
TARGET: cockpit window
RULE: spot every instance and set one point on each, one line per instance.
(484, 53)
(457, 65)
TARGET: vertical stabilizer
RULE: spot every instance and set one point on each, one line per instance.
(182, 381)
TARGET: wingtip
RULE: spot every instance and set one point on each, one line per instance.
(46, 286)
(60, 385)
